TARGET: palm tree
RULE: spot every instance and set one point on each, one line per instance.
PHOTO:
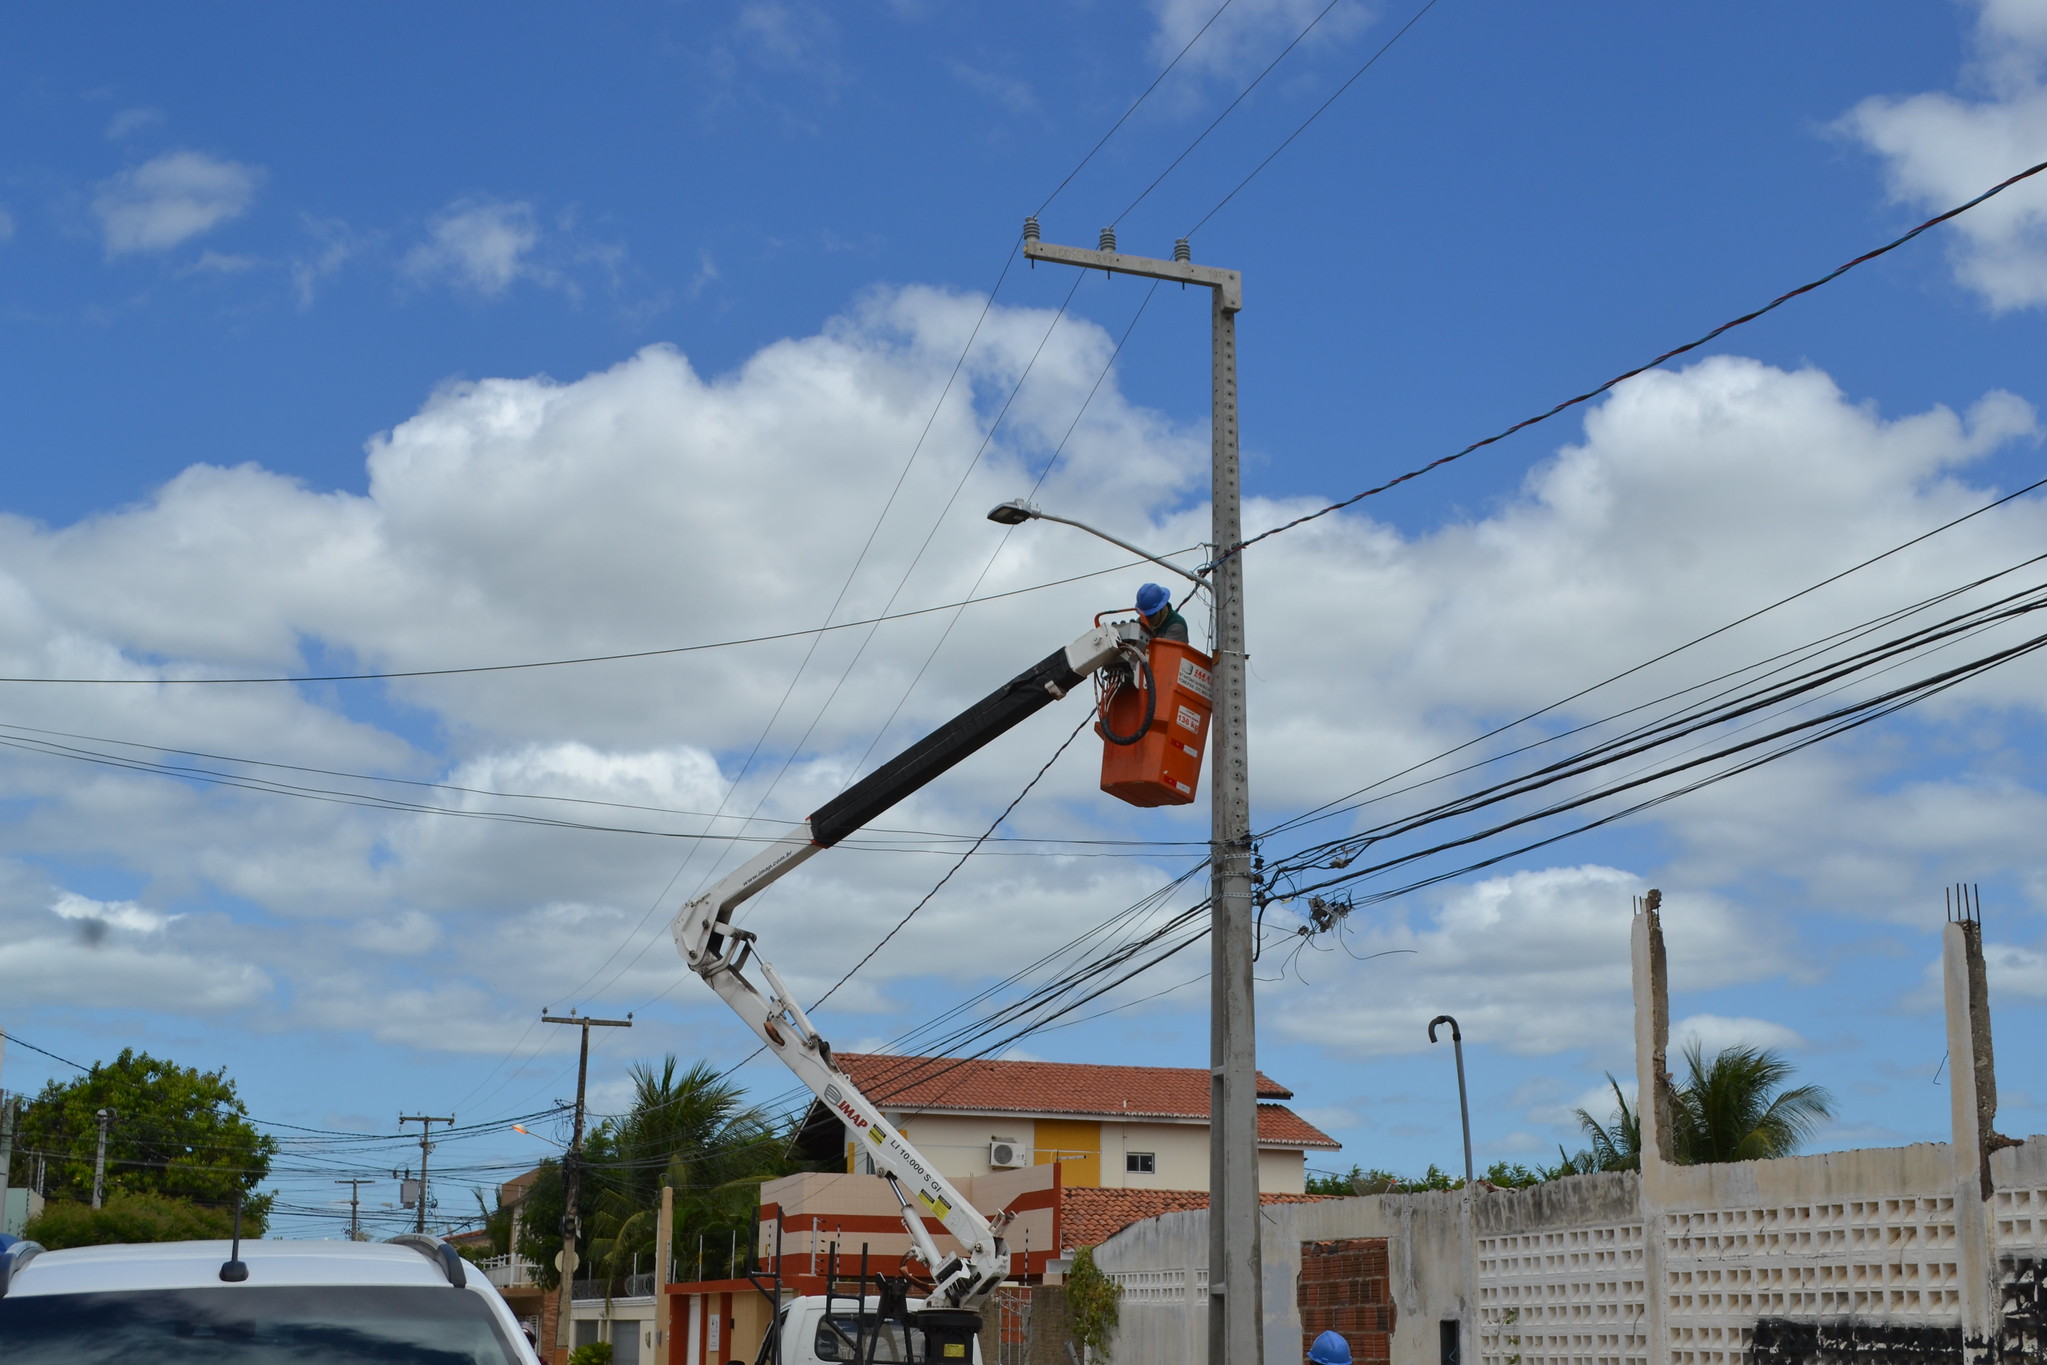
(1616, 1144)
(1734, 1109)
(1731, 1108)
(692, 1131)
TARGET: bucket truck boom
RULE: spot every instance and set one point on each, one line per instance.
(727, 957)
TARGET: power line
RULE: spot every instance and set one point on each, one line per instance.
(1003, 541)
(182, 771)
(812, 631)
(926, 898)
(1286, 142)
(1329, 807)
(1668, 355)
(1133, 107)
(1800, 735)
(1228, 109)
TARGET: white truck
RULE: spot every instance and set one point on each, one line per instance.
(891, 1327)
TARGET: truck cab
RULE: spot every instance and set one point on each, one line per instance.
(813, 1330)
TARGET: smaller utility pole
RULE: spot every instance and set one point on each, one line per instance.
(572, 1172)
(6, 1149)
(426, 1126)
(99, 1162)
(354, 1206)
(664, 1253)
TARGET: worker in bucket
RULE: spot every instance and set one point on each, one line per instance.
(1329, 1349)
(1161, 622)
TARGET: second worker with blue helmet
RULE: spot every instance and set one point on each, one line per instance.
(1161, 622)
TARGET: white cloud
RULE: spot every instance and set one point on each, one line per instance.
(1010, 92)
(1941, 149)
(1715, 1032)
(333, 245)
(788, 34)
(118, 914)
(1249, 33)
(1532, 962)
(171, 199)
(221, 263)
(129, 121)
(480, 245)
(649, 504)
(2016, 970)
(60, 948)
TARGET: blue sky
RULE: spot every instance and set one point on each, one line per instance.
(403, 339)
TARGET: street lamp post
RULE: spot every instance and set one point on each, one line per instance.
(1463, 1104)
(1235, 1317)
(1016, 512)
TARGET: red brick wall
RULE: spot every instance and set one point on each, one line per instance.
(1343, 1288)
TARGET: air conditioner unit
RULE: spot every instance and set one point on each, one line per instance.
(1003, 1154)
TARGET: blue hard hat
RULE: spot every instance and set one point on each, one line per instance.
(1152, 599)
(1329, 1349)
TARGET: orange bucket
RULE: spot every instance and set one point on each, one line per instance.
(1164, 767)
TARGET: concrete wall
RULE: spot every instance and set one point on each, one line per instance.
(1892, 1256)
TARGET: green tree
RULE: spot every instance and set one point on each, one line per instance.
(1734, 1108)
(1333, 1182)
(134, 1218)
(497, 1226)
(1094, 1304)
(694, 1131)
(178, 1132)
(1731, 1108)
(540, 1222)
(1616, 1144)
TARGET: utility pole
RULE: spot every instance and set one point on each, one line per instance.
(354, 1206)
(99, 1162)
(572, 1167)
(426, 1127)
(6, 1136)
(664, 1253)
(1235, 1327)
(6, 1150)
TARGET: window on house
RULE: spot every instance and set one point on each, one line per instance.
(1141, 1163)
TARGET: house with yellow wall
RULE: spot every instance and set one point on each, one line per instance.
(1107, 1127)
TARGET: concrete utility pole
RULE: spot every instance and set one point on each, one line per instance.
(1235, 1335)
(664, 1248)
(426, 1128)
(6, 1149)
(6, 1135)
(99, 1162)
(572, 1168)
(354, 1206)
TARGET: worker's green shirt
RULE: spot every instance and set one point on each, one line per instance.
(1174, 627)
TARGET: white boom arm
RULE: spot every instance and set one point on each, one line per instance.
(722, 953)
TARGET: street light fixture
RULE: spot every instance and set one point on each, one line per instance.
(1016, 512)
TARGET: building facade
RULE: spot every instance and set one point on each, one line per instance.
(1107, 1127)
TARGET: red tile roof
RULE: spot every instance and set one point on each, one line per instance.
(992, 1087)
(1279, 1126)
(1089, 1217)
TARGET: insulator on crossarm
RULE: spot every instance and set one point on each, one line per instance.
(1031, 228)
(1109, 240)
(1182, 251)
